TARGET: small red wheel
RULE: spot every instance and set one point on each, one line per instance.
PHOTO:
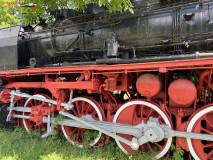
(201, 122)
(30, 125)
(88, 108)
(136, 111)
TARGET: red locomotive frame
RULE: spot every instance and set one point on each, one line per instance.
(101, 81)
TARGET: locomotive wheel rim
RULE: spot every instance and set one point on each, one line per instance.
(26, 125)
(158, 110)
(191, 126)
(100, 116)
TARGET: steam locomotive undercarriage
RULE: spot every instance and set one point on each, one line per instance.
(143, 106)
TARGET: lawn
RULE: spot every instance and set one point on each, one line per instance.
(20, 145)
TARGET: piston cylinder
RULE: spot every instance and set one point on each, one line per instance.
(148, 85)
(182, 93)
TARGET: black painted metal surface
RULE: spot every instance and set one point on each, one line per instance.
(160, 29)
(8, 48)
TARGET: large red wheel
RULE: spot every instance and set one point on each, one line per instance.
(30, 125)
(88, 108)
(136, 111)
(201, 122)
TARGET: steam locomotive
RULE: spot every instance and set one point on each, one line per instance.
(143, 79)
(157, 31)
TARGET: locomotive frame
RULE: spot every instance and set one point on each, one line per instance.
(77, 88)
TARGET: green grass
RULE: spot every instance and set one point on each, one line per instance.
(20, 145)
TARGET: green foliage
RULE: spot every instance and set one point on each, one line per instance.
(32, 15)
(89, 137)
(8, 15)
(139, 155)
(20, 145)
(62, 79)
(178, 153)
(57, 119)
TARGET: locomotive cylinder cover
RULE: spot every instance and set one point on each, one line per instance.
(182, 92)
(148, 85)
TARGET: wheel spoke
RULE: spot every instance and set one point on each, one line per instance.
(208, 145)
(135, 117)
(83, 106)
(160, 119)
(207, 131)
(142, 108)
(78, 108)
(30, 104)
(201, 123)
(158, 145)
(209, 154)
(31, 125)
(142, 148)
(35, 102)
(93, 115)
(72, 132)
(149, 146)
(75, 113)
(78, 135)
(88, 108)
(82, 136)
(143, 113)
(150, 113)
(208, 121)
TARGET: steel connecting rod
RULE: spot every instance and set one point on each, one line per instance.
(134, 130)
(132, 143)
(142, 133)
(152, 131)
(67, 106)
(171, 133)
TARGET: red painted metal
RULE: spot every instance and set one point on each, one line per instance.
(38, 111)
(204, 149)
(80, 109)
(148, 85)
(203, 76)
(181, 142)
(58, 85)
(103, 81)
(35, 121)
(135, 114)
(182, 93)
(5, 96)
(121, 68)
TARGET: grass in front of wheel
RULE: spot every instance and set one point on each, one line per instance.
(20, 145)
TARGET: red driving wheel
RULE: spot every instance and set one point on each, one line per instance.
(136, 111)
(31, 125)
(86, 108)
